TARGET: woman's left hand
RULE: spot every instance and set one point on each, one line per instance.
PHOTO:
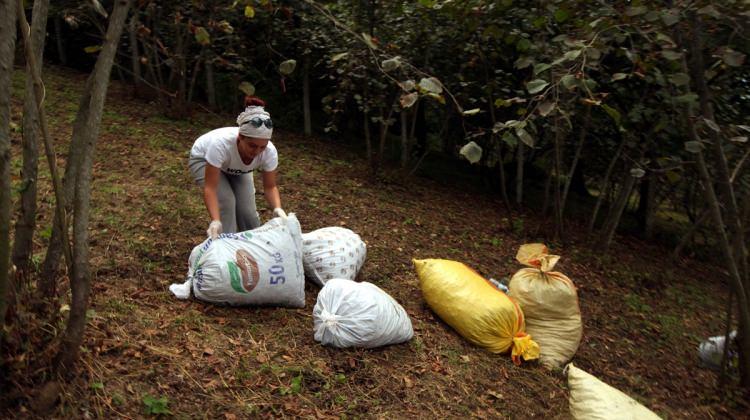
(279, 212)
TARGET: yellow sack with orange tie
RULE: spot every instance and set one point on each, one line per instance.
(550, 302)
(471, 305)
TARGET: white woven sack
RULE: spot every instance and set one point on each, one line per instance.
(262, 266)
(332, 252)
(351, 314)
(592, 399)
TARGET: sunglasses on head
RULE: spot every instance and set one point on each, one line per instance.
(257, 122)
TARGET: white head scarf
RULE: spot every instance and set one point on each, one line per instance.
(247, 129)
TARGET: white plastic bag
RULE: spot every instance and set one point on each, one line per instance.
(711, 351)
(262, 266)
(351, 314)
(332, 252)
(591, 398)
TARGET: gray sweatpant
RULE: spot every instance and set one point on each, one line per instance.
(236, 195)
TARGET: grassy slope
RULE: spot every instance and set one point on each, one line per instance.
(643, 315)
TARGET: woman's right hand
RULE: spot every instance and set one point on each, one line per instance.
(214, 229)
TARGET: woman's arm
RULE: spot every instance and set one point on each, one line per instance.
(211, 184)
(271, 190)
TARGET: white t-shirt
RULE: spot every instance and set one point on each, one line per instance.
(219, 148)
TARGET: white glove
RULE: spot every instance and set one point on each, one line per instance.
(279, 212)
(214, 229)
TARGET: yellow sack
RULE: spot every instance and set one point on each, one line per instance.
(592, 399)
(550, 303)
(479, 312)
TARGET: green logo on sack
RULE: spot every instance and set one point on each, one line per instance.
(235, 277)
(243, 273)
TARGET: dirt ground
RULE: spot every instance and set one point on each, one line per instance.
(146, 352)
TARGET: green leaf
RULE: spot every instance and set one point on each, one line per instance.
(287, 67)
(97, 385)
(247, 88)
(637, 173)
(525, 137)
(593, 53)
(472, 152)
(671, 55)
(561, 15)
(368, 40)
(568, 81)
(733, 58)
(663, 38)
(572, 55)
(710, 10)
(225, 27)
(679, 79)
(390, 64)
(523, 44)
(545, 108)
(523, 62)
(673, 177)
(296, 386)
(540, 67)
(407, 85)
(339, 56)
(510, 139)
(618, 76)
(613, 113)
(635, 11)
(712, 124)
(92, 49)
(156, 406)
(502, 103)
(670, 17)
(249, 12)
(693, 146)
(408, 99)
(536, 85)
(201, 36)
(686, 98)
(471, 112)
(431, 85)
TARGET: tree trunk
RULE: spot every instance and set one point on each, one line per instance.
(647, 205)
(731, 237)
(559, 228)
(81, 277)
(210, 86)
(7, 50)
(135, 57)
(306, 95)
(404, 140)
(689, 234)
(603, 186)
(519, 174)
(50, 265)
(610, 225)
(26, 221)
(61, 53)
(574, 164)
(368, 142)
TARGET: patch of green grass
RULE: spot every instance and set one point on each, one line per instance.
(636, 303)
(167, 143)
(119, 306)
(672, 327)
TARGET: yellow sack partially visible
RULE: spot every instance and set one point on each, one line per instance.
(471, 305)
(592, 399)
(550, 303)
